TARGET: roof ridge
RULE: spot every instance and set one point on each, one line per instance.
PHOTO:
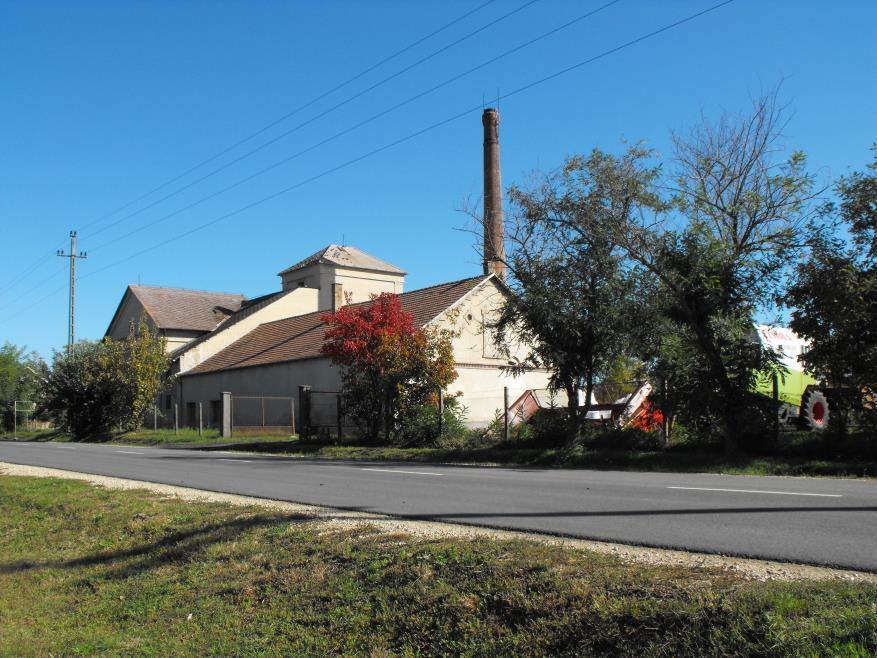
(401, 294)
(209, 292)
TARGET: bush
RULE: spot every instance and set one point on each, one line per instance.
(613, 438)
(419, 428)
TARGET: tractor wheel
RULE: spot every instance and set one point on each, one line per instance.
(815, 411)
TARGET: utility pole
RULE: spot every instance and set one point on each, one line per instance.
(72, 256)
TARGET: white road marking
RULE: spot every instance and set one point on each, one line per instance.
(129, 452)
(757, 491)
(67, 448)
(221, 459)
(395, 470)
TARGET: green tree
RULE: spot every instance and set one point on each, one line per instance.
(834, 295)
(20, 375)
(574, 295)
(737, 209)
(99, 387)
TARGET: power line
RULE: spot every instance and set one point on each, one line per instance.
(314, 118)
(34, 287)
(23, 275)
(298, 109)
(402, 140)
(417, 133)
(358, 125)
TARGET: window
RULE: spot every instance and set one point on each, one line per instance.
(167, 401)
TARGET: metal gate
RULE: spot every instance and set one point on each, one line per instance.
(262, 414)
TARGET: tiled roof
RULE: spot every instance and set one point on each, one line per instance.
(345, 257)
(301, 337)
(194, 310)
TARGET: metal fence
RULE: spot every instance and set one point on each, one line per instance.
(261, 414)
(323, 416)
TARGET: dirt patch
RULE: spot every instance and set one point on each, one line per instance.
(761, 570)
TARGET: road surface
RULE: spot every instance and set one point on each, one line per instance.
(823, 521)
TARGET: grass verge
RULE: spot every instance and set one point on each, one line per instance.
(673, 460)
(92, 571)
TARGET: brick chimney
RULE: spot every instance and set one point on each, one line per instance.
(494, 247)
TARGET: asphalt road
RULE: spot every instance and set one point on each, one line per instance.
(830, 522)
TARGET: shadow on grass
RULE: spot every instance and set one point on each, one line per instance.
(174, 547)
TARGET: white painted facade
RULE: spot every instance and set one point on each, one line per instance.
(479, 386)
(356, 285)
(296, 301)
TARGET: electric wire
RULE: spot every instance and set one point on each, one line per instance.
(29, 270)
(316, 117)
(292, 113)
(519, 90)
(356, 126)
(413, 135)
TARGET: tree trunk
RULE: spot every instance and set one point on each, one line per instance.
(572, 412)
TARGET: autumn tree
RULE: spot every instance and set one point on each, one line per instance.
(390, 367)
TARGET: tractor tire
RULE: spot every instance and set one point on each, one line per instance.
(815, 411)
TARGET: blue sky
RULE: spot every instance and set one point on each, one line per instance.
(101, 102)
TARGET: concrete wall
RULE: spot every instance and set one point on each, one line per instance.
(358, 284)
(279, 379)
(297, 301)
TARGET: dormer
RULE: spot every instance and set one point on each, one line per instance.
(343, 275)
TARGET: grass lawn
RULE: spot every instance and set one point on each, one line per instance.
(90, 571)
(673, 460)
(677, 459)
(148, 437)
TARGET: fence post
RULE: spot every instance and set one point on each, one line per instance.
(304, 410)
(776, 407)
(200, 419)
(292, 415)
(176, 417)
(387, 415)
(338, 407)
(262, 399)
(225, 430)
(441, 411)
(154, 418)
(505, 413)
(665, 420)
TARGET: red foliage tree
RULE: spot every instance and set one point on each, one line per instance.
(389, 366)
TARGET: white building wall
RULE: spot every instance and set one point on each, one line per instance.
(356, 284)
(298, 301)
(480, 381)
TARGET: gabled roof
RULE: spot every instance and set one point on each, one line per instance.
(301, 337)
(178, 308)
(345, 257)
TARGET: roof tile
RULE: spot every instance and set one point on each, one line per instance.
(301, 337)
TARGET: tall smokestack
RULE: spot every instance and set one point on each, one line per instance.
(494, 247)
